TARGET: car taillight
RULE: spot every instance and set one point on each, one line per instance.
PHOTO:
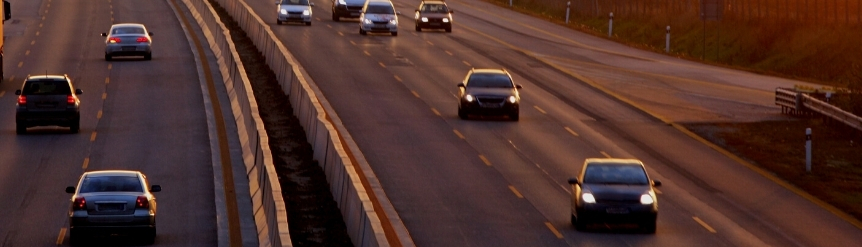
(142, 39)
(114, 40)
(22, 100)
(142, 202)
(79, 204)
(70, 100)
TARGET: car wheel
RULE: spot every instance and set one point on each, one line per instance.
(20, 128)
(449, 30)
(75, 127)
(150, 236)
(148, 56)
(418, 29)
(462, 114)
(308, 23)
(362, 31)
(648, 227)
(335, 16)
(107, 57)
(277, 22)
(514, 116)
(574, 220)
(76, 238)
(394, 33)
(580, 225)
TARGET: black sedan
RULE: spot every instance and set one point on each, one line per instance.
(614, 191)
(489, 92)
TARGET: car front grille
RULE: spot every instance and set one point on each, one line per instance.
(295, 12)
(490, 100)
(354, 8)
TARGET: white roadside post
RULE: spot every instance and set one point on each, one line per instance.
(808, 149)
(611, 25)
(667, 41)
(510, 3)
(568, 7)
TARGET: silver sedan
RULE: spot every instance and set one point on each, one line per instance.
(128, 39)
(112, 202)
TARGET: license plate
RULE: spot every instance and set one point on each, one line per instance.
(129, 48)
(435, 24)
(617, 210)
(46, 105)
(492, 106)
(111, 207)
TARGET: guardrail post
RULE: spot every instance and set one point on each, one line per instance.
(610, 24)
(667, 41)
(808, 150)
(568, 7)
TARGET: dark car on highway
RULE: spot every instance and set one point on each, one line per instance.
(112, 202)
(614, 191)
(346, 9)
(489, 92)
(433, 14)
(47, 100)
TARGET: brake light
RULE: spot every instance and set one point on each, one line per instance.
(70, 99)
(113, 40)
(79, 204)
(142, 39)
(22, 100)
(142, 202)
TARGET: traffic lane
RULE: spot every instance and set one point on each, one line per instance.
(34, 163)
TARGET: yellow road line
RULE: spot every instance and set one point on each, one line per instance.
(12, 78)
(37, 33)
(352, 43)
(99, 115)
(414, 93)
(571, 131)
(450, 54)
(61, 236)
(399, 80)
(554, 230)
(429, 42)
(468, 64)
(20, 64)
(485, 160)
(93, 136)
(27, 53)
(340, 34)
(708, 228)
(605, 154)
(107, 80)
(518, 194)
(540, 109)
(366, 53)
(86, 163)
(104, 96)
(329, 26)
(2, 93)
(436, 112)
(110, 65)
(381, 64)
(458, 133)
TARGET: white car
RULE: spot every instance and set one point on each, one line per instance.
(294, 11)
(128, 39)
(378, 16)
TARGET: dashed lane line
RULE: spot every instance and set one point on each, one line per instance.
(518, 194)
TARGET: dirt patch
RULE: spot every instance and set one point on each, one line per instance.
(312, 214)
(779, 147)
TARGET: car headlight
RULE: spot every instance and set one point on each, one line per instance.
(445, 20)
(306, 12)
(366, 21)
(283, 11)
(424, 19)
(393, 21)
(588, 198)
(469, 98)
(512, 99)
(646, 199)
(341, 2)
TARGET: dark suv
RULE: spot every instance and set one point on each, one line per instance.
(489, 91)
(47, 100)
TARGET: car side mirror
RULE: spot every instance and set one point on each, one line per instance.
(277, 2)
(451, 11)
(7, 10)
(150, 33)
(461, 85)
(311, 4)
(79, 91)
(518, 86)
(104, 34)
(155, 188)
(398, 12)
(70, 189)
(18, 92)
(573, 181)
(656, 183)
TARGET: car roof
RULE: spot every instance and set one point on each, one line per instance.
(49, 77)
(127, 25)
(612, 161)
(490, 71)
(434, 2)
(105, 173)
(379, 2)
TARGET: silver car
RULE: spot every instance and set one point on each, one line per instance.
(112, 202)
(128, 39)
(294, 11)
(378, 16)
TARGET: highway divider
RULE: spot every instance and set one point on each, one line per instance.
(370, 218)
(801, 103)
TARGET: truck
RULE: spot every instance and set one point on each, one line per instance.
(7, 14)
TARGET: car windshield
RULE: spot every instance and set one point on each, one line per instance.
(128, 30)
(434, 8)
(615, 174)
(490, 80)
(111, 184)
(380, 9)
(47, 87)
(294, 2)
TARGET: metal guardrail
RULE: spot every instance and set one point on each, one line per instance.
(354, 187)
(796, 103)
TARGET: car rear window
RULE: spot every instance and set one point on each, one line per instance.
(128, 30)
(489, 80)
(111, 184)
(380, 9)
(615, 174)
(47, 87)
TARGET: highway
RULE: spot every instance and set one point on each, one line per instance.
(135, 114)
(488, 182)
